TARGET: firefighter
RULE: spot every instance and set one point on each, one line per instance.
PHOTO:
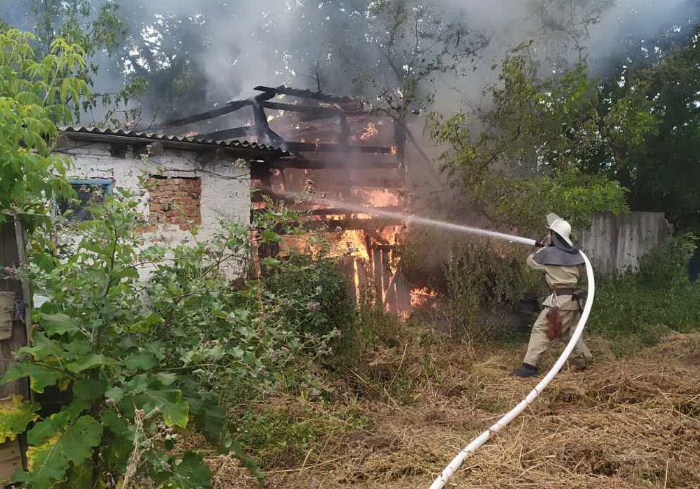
(563, 266)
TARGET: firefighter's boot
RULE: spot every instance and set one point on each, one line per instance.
(525, 370)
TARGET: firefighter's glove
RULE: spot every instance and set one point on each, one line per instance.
(540, 244)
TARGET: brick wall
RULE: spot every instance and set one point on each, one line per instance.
(175, 200)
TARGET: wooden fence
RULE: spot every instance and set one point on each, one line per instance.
(617, 242)
(14, 318)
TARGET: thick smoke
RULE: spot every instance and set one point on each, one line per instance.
(238, 44)
(327, 44)
(562, 32)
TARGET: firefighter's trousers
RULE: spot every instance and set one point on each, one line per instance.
(539, 341)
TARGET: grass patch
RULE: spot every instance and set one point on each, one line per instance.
(281, 433)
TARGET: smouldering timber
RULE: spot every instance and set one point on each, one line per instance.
(470, 449)
(410, 218)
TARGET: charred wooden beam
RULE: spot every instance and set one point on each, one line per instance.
(294, 92)
(319, 112)
(210, 114)
(320, 164)
(337, 148)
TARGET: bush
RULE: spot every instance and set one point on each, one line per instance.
(144, 357)
(485, 281)
(642, 306)
(316, 297)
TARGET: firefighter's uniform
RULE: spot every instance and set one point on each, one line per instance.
(558, 278)
(563, 265)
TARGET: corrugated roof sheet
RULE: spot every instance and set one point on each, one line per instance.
(234, 144)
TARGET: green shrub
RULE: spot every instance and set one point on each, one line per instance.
(316, 296)
(485, 281)
(144, 356)
(642, 306)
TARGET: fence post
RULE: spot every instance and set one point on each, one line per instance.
(14, 332)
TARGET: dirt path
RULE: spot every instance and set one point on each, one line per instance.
(632, 423)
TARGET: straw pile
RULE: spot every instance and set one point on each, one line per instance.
(623, 424)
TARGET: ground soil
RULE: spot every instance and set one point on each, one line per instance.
(630, 422)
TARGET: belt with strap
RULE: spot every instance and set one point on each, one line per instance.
(564, 291)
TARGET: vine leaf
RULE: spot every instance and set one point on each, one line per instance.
(49, 462)
(51, 425)
(15, 415)
(55, 324)
(88, 362)
(208, 418)
(169, 401)
(191, 473)
(141, 361)
(40, 376)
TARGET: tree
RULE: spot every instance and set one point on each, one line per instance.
(99, 31)
(662, 169)
(532, 152)
(34, 93)
(564, 26)
(388, 52)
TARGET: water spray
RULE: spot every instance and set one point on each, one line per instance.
(449, 471)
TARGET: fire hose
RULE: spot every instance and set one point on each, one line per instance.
(449, 471)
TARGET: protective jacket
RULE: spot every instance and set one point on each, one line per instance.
(563, 266)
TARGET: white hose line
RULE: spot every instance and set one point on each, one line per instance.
(449, 471)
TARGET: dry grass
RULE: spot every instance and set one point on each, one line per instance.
(632, 423)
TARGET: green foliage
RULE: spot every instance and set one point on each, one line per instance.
(639, 307)
(660, 169)
(575, 136)
(15, 416)
(85, 343)
(330, 307)
(234, 344)
(281, 434)
(573, 194)
(145, 357)
(33, 96)
(532, 153)
(72, 445)
(484, 282)
(100, 32)
(667, 264)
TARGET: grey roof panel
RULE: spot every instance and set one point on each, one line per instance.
(234, 144)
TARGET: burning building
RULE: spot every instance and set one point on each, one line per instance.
(341, 163)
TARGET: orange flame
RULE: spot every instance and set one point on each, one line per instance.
(369, 131)
(423, 297)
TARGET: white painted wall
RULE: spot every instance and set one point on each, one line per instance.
(225, 183)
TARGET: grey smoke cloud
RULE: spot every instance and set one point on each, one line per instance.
(551, 26)
(250, 42)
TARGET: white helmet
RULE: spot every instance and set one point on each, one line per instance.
(559, 226)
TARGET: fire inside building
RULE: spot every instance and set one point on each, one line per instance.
(334, 151)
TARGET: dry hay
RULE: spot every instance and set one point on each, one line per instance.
(631, 423)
